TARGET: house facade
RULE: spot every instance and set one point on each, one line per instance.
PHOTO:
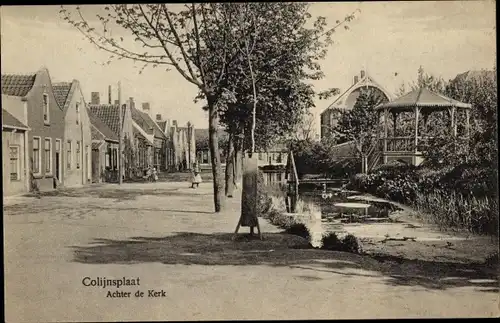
(77, 141)
(180, 147)
(15, 153)
(347, 100)
(109, 115)
(44, 117)
(104, 151)
(150, 138)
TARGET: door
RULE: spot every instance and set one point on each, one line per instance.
(57, 167)
(58, 160)
(95, 166)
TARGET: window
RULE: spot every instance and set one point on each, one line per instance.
(36, 156)
(278, 158)
(77, 112)
(46, 115)
(48, 155)
(14, 163)
(278, 177)
(78, 154)
(115, 159)
(108, 157)
(68, 154)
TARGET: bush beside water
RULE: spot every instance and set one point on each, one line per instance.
(461, 197)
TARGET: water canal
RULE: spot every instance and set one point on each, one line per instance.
(337, 209)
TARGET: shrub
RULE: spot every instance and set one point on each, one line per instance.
(299, 229)
(350, 244)
(331, 241)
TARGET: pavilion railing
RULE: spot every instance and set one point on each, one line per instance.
(399, 144)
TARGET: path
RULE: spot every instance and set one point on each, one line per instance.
(166, 234)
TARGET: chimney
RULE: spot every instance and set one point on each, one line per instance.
(174, 123)
(95, 98)
(145, 108)
(362, 73)
(356, 79)
(109, 94)
(158, 117)
(131, 102)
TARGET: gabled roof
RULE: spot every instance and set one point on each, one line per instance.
(109, 115)
(422, 98)
(367, 80)
(101, 129)
(162, 125)
(17, 85)
(96, 134)
(61, 92)
(8, 120)
(147, 123)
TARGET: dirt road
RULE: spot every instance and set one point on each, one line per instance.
(166, 235)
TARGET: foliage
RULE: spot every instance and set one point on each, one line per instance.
(454, 210)
(299, 229)
(349, 243)
(279, 52)
(313, 157)
(361, 124)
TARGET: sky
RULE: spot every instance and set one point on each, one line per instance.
(389, 40)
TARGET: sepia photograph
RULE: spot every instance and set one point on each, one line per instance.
(250, 161)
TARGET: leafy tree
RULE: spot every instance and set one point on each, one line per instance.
(361, 124)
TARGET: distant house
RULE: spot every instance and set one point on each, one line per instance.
(104, 151)
(30, 99)
(203, 155)
(276, 155)
(77, 134)
(180, 150)
(15, 154)
(109, 114)
(150, 138)
(347, 100)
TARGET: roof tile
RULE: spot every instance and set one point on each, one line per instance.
(100, 124)
(61, 91)
(17, 85)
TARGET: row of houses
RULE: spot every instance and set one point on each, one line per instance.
(51, 137)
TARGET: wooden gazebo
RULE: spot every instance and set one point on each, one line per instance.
(420, 102)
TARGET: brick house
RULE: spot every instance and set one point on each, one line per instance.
(77, 134)
(151, 140)
(44, 117)
(104, 151)
(15, 155)
(109, 115)
(180, 148)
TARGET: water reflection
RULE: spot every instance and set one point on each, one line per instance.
(332, 218)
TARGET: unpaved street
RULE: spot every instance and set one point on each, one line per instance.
(166, 235)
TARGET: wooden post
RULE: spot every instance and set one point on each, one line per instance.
(249, 196)
(120, 130)
(417, 110)
(451, 111)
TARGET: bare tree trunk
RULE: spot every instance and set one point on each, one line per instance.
(230, 164)
(254, 109)
(238, 160)
(213, 142)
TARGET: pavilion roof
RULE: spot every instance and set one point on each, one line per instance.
(423, 98)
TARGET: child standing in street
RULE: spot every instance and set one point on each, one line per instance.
(196, 177)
